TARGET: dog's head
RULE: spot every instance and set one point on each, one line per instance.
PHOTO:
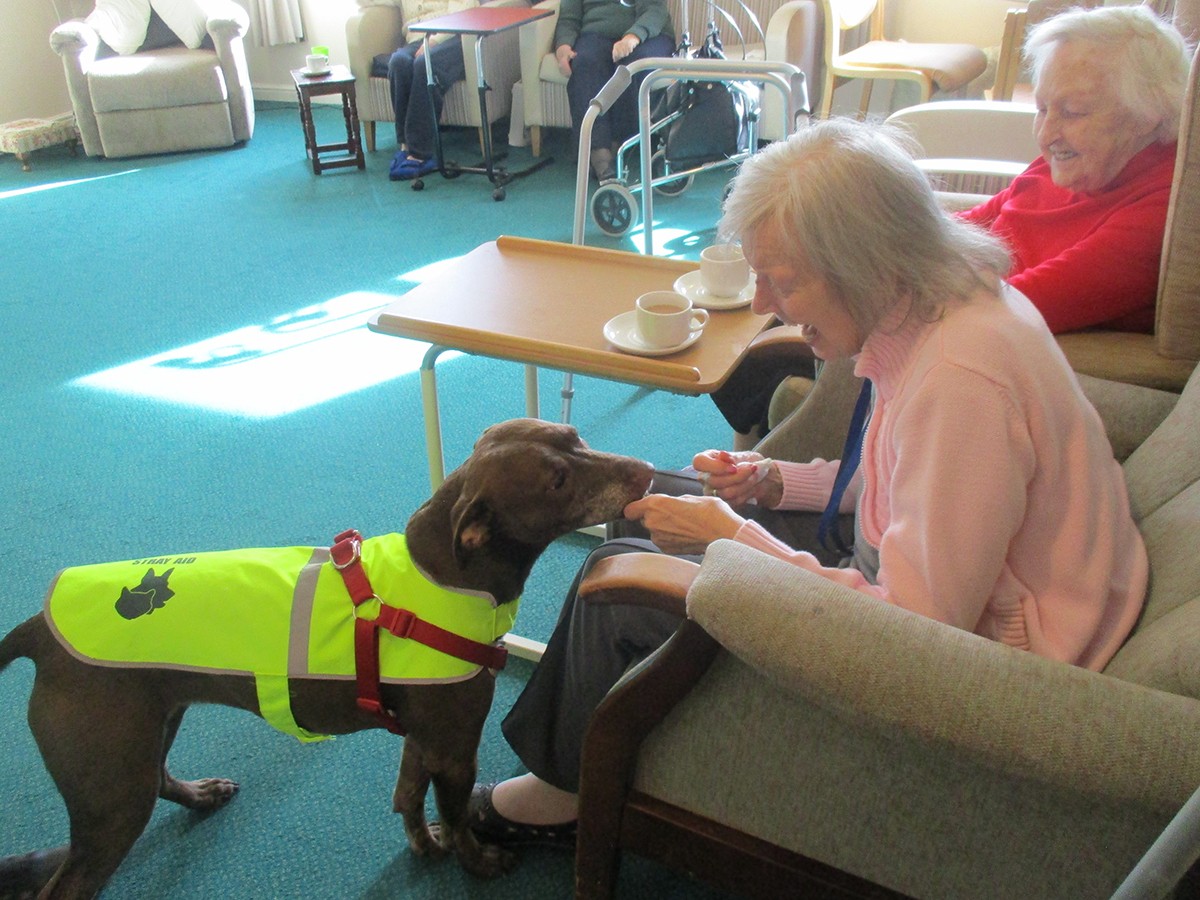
(529, 481)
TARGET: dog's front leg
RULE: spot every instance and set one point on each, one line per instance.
(453, 781)
(409, 800)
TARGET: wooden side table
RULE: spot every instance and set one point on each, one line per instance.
(337, 81)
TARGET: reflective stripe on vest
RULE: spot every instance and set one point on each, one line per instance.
(270, 613)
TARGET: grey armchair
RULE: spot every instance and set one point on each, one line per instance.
(160, 100)
(796, 738)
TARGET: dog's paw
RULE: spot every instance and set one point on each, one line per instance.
(203, 794)
(427, 841)
(487, 860)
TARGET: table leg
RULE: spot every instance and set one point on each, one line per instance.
(433, 418)
(310, 131)
(532, 406)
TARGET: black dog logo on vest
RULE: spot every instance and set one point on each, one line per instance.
(153, 593)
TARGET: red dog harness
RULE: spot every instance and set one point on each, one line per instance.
(346, 554)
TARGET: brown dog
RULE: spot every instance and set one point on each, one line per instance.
(104, 731)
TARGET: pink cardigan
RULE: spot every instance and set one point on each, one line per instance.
(988, 487)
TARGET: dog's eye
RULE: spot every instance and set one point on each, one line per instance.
(558, 480)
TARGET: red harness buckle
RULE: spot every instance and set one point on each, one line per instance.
(346, 555)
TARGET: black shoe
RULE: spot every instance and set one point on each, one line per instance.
(491, 827)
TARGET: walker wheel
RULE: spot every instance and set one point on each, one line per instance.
(499, 194)
(614, 208)
(418, 184)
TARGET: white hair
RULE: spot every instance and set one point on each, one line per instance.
(1146, 58)
(851, 200)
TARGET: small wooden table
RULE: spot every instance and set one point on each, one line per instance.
(480, 21)
(337, 81)
(543, 303)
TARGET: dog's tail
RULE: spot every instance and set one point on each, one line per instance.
(19, 642)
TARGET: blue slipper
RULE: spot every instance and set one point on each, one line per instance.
(399, 161)
(414, 167)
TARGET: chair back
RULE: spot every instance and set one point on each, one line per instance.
(1177, 322)
(1163, 476)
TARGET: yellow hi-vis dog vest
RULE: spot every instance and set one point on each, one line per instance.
(274, 613)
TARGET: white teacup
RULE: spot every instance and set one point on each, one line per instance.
(667, 319)
(316, 62)
(724, 271)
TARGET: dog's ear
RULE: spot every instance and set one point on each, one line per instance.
(472, 519)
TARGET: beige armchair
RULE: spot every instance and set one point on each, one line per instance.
(160, 100)
(795, 738)
(377, 30)
(788, 27)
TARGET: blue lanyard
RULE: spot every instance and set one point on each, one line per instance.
(851, 454)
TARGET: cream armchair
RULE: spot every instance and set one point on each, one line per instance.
(161, 100)
(789, 29)
(803, 739)
(377, 30)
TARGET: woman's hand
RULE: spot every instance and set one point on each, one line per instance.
(684, 524)
(737, 478)
(625, 46)
(563, 55)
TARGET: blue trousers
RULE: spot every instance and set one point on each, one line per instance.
(415, 117)
(590, 70)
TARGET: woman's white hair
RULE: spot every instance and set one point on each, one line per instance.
(1145, 57)
(862, 217)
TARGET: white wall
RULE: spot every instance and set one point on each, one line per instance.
(34, 84)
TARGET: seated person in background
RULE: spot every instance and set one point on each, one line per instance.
(1085, 221)
(988, 497)
(416, 118)
(590, 39)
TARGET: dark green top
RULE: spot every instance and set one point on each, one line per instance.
(645, 19)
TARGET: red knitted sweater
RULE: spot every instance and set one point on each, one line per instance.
(1086, 260)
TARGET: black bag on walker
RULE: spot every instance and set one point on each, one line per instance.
(713, 121)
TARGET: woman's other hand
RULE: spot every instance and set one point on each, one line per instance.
(624, 47)
(740, 477)
(684, 524)
(563, 55)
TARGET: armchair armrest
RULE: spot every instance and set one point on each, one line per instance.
(226, 20)
(535, 41)
(793, 35)
(642, 579)
(972, 129)
(77, 42)
(228, 24)
(1018, 714)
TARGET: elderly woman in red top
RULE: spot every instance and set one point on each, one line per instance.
(1085, 221)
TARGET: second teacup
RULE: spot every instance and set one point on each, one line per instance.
(724, 271)
(667, 319)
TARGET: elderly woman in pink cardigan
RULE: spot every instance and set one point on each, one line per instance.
(987, 496)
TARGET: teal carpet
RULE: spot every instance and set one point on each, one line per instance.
(187, 369)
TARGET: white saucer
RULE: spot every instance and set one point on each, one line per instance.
(621, 331)
(689, 285)
(317, 73)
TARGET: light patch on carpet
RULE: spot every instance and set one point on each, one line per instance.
(293, 362)
(5, 195)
